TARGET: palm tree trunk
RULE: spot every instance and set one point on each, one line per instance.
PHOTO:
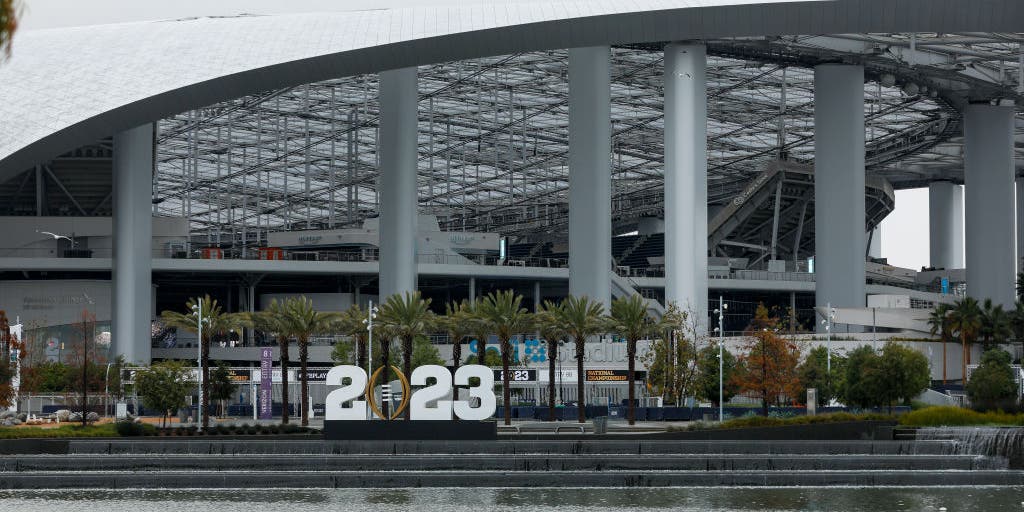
(481, 350)
(303, 362)
(580, 351)
(407, 370)
(283, 342)
(963, 360)
(552, 360)
(506, 392)
(361, 352)
(631, 356)
(944, 359)
(205, 402)
(456, 357)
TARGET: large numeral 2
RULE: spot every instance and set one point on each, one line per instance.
(335, 407)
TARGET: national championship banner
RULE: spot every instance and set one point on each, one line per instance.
(266, 384)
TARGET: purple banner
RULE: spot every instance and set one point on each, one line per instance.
(266, 386)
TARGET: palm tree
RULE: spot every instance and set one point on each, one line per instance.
(215, 323)
(938, 320)
(549, 324)
(1020, 286)
(965, 320)
(480, 328)
(456, 322)
(995, 324)
(406, 316)
(630, 319)
(9, 11)
(270, 321)
(353, 324)
(582, 319)
(1017, 321)
(303, 321)
(506, 317)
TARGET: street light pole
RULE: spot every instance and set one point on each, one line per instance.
(198, 311)
(371, 313)
(721, 357)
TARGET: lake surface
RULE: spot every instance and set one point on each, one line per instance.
(704, 499)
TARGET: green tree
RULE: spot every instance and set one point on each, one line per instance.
(905, 373)
(45, 377)
(303, 321)
(164, 386)
(7, 365)
(707, 382)
(222, 387)
(480, 329)
(582, 318)
(813, 373)
(863, 378)
(552, 331)
(424, 352)
(1017, 320)
(271, 321)
(991, 385)
(667, 355)
(1020, 286)
(215, 322)
(406, 316)
(506, 318)
(629, 318)
(965, 321)
(492, 360)
(939, 324)
(341, 353)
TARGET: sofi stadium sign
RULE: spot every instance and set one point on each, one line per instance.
(434, 385)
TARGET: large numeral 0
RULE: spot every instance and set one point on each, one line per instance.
(484, 391)
(335, 407)
(418, 408)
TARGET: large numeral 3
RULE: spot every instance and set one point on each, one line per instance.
(484, 391)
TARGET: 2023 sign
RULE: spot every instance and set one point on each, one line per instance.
(425, 403)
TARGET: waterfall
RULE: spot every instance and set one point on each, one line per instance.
(1003, 445)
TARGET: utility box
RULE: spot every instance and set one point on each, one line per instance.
(812, 401)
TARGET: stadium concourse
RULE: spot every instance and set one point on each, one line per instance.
(682, 150)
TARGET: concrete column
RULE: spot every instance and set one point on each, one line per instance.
(989, 202)
(536, 296)
(945, 225)
(686, 177)
(875, 245)
(398, 197)
(839, 185)
(133, 235)
(590, 179)
(472, 289)
(1020, 225)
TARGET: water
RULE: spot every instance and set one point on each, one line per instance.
(992, 441)
(703, 499)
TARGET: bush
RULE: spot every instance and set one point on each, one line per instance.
(129, 429)
(761, 421)
(991, 385)
(896, 374)
(69, 431)
(947, 416)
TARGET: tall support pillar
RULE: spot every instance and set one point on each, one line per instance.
(398, 198)
(1020, 225)
(839, 234)
(988, 199)
(536, 296)
(590, 179)
(875, 242)
(686, 177)
(945, 225)
(133, 235)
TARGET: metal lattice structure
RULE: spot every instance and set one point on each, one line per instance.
(493, 133)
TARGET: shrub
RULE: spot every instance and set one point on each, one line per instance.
(762, 421)
(947, 416)
(129, 429)
(991, 385)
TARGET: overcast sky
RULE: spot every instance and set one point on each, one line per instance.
(904, 232)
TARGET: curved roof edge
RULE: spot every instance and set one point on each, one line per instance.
(36, 133)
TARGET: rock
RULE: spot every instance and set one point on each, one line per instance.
(75, 417)
(16, 421)
(8, 422)
(63, 415)
(7, 414)
(23, 417)
(92, 416)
